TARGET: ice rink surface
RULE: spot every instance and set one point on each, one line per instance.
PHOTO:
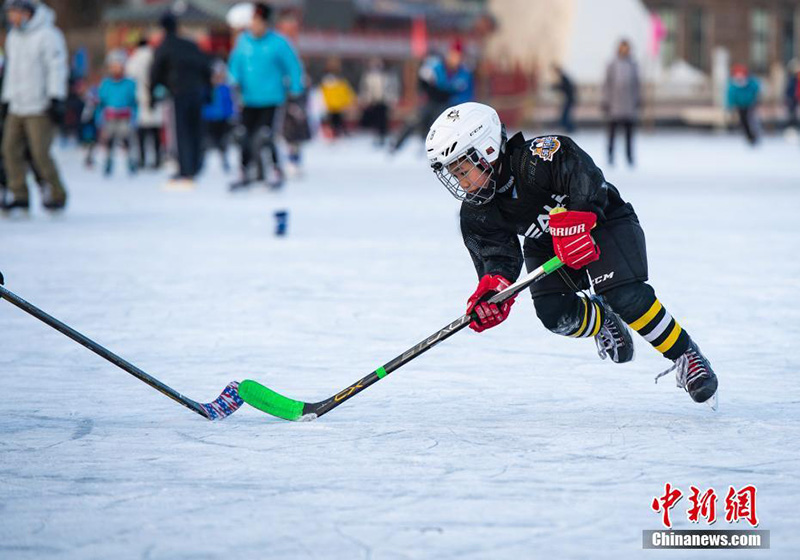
(512, 444)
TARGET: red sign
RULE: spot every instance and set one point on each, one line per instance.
(739, 505)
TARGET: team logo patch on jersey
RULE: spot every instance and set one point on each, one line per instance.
(546, 147)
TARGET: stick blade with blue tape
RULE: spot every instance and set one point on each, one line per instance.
(226, 404)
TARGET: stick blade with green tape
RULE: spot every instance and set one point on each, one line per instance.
(267, 400)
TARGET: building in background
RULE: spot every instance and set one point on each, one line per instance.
(398, 31)
(758, 33)
(684, 47)
(705, 38)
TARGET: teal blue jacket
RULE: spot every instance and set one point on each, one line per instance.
(745, 95)
(265, 69)
(118, 97)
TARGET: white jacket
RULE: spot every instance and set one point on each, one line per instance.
(138, 69)
(36, 65)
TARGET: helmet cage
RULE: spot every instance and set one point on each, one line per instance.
(454, 176)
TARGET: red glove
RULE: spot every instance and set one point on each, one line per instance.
(489, 314)
(571, 239)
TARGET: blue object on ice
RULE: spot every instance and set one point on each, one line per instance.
(281, 219)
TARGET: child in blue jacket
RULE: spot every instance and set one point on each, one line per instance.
(117, 105)
(743, 92)
(217, 114)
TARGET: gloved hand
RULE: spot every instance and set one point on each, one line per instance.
(489, 314)
(57, 110)
(572, 241)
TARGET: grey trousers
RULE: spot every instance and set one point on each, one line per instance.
(36, 132)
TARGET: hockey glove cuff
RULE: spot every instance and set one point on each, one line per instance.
(489, 314)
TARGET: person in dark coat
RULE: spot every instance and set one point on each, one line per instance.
(565, 85)
(185, 72)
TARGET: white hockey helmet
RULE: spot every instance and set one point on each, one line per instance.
(462, 145)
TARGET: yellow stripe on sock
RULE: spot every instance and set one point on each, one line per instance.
(577, 333)
(642, 321)
(597, 320)
(670, 341)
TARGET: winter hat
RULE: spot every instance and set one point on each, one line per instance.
(240, 15)
(169, 22)
(29, 5)
(739, 71)
(117, 56)
(262, 10)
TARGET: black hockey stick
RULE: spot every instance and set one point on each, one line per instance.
(267, 400)
(223, 406)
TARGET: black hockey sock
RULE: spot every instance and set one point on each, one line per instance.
(637, 305)
(569, 315)
(591, 315)
(658, 328)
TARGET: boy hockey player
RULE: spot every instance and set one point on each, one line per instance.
(549, 191)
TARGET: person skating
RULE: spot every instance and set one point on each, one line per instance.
(267, 71)
(185, 71)
(218, 112)
(622, 99)
(34, 90)
(339, 98)
(149, 116)
(549, 191)
(379, 91)
(444, 81)
(568, 90)
(117, 97)
(743, 93)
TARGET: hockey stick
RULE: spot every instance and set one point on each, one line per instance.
(223, 406)
(267, 400)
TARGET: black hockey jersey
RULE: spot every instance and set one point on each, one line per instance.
(535, 176)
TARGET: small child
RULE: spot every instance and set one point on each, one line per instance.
(339, 97)
(117, 103)
(218, 113)
(90, 122)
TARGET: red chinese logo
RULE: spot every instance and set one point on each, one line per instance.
(666, 502)
(702, 506)
(741, 505)
(738, 505)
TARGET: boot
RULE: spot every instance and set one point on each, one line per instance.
(614, 338)
(693, 373)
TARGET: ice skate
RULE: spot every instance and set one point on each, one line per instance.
(52, 201)
(693, 373)
(294, 171)
(241, 184)
(14, 208)
(276, 179)
(614, 339)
